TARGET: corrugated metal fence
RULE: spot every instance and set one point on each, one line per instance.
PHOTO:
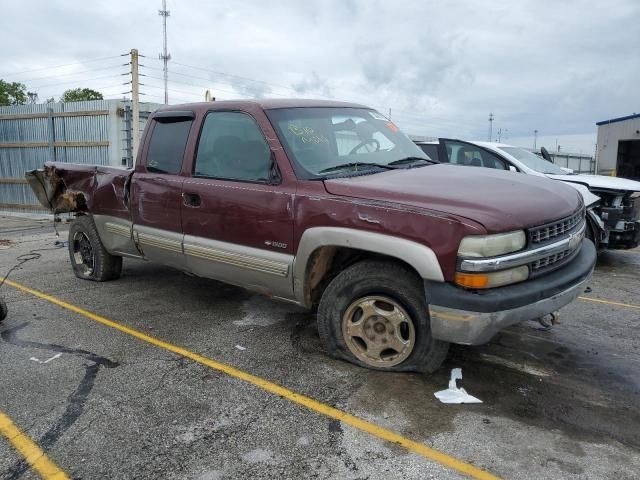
(89, 132)
(578, 162)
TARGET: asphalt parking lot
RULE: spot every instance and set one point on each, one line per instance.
(130, 387)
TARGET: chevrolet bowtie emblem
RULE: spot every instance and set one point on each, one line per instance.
(574, 240)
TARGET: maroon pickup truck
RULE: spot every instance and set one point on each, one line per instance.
(329, 205)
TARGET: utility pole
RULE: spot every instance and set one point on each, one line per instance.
(389, 113)
(535, 139)
(490, 126)
(135, 104)
(128, 145)
(164, 56)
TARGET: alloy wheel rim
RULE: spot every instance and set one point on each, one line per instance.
(83, 253)
(378, 331)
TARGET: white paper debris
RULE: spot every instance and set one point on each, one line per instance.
(240, 347)
(34, 359)
(453, 394)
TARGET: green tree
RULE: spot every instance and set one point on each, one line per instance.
(12, 93)
(80, 94)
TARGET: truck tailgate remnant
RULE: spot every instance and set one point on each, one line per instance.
(66, 187)
(50, 191)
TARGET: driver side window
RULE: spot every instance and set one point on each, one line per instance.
(232, 147)
(461, 153)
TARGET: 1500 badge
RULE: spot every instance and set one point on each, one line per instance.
(271, 243)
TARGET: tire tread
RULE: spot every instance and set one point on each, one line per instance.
(393, 279)
(107, 267)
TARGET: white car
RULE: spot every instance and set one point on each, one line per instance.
(613, 203)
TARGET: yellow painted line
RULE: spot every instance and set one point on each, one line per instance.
(307, 402)
(32, 454)
(609, 302)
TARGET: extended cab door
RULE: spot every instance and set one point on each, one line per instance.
(156, 189)
(237, 210)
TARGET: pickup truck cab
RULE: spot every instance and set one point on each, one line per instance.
(328, 205)
(613, 204)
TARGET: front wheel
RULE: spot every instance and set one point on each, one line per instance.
(89, 258)
(374, 314)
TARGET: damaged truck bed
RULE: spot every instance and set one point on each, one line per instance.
(92, 187)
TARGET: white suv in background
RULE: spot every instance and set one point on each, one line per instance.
(613, 203)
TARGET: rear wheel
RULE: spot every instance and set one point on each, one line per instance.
(89, 258)
(374, 314)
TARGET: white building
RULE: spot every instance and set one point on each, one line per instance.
(618, 151)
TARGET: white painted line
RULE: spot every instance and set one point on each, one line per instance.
(57, 355)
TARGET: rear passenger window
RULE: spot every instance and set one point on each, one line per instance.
(167, 145)
(232, 147)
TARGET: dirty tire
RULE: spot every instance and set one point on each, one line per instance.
(4, 311)
(379, 279)
(89, 259)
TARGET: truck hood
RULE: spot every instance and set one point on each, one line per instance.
(600, 181)
(500, 201)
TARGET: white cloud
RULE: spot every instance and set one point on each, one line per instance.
(440, 66)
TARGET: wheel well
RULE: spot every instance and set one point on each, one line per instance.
(328, 261)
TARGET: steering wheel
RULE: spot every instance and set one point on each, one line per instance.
(366, 142)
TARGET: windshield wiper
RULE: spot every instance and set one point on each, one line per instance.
(411, 161)
(356, 165)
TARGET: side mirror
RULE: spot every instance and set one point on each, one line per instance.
(512, 168)
(545, 154)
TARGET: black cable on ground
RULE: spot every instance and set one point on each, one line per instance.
(27, 257)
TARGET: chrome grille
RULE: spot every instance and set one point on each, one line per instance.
(553, 230)
(550, 260)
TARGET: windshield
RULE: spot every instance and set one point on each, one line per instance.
(334, 141)
(533, 161)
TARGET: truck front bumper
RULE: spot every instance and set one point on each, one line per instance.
(474, 317)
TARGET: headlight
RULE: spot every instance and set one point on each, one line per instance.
(492, 245)
(492, 279)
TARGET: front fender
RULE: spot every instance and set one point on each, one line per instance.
(419, 256)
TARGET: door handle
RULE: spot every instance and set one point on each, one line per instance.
(191, 199)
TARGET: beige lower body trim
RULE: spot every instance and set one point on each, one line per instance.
(253, 268)
(158, 241)
(116, 235)
(258, 264)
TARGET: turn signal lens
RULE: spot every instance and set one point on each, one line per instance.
(472, 280)
(493, 279)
